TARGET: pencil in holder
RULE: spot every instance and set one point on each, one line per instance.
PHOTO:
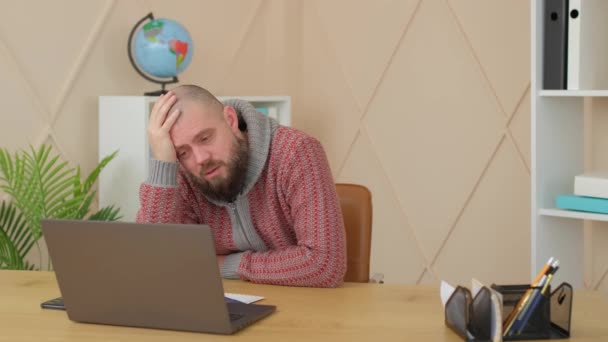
(548, 316)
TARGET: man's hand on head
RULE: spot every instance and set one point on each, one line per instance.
(159, 125)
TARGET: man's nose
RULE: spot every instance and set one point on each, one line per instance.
(201, 156)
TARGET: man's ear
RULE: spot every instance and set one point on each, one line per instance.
(231, 117)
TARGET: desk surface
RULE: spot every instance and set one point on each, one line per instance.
(355, 312)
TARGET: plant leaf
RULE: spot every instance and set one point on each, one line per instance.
(41, 186)
(109, 213)
(88, 183)
(16, 239)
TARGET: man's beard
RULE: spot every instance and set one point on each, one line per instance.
(225, 189)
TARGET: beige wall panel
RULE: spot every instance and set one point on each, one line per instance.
(491, 239)
(326, 107)
(22, 120)
(499, 32)
(106, 71)
(429, 278)
(521, 130)
(395, 252)
(259, 67)
(364, 38)
(47, 39)
(435, 124)
(249, 74)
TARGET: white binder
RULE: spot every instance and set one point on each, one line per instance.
(587, 44)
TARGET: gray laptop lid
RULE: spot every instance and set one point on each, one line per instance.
(145, 275)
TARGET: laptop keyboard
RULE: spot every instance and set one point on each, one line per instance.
(234, 317)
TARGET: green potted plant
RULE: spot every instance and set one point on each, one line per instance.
(39, 186)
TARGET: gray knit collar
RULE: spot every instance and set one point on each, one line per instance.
(260, 130)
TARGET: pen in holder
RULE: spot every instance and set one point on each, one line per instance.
(471, 317)
(547, 317)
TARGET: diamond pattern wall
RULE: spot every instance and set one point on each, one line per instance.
(426, 102)
(495, 30)
(22, 114)
(395, 249)
(498, 211)
(47, 43)
(519, 129)
(434, 116)
(326, 105)
(378, 28)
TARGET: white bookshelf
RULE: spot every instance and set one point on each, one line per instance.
(123, 121)
(558, 149)
(579, 215)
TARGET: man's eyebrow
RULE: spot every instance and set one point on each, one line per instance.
(198, 136)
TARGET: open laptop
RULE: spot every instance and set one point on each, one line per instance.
(161, 276)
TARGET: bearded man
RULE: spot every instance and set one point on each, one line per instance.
(265, 190)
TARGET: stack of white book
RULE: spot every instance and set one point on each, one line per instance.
(590, 194)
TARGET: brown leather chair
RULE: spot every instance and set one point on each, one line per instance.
(356, 204)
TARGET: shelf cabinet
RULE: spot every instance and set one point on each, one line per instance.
(558, 154)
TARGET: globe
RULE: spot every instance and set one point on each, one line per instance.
(163, 48)
(159, 49)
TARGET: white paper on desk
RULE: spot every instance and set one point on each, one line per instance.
(476, 285)
(247, 299)
(445, 291)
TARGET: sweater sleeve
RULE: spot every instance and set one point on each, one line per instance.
(319, 257)
(161, 200)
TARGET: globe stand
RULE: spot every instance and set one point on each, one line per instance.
(162, 91)
(163, 83)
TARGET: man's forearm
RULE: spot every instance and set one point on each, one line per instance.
(294, 266)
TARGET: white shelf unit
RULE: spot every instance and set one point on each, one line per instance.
(573, 214)
(558, 150)
(573, 93)
(123, 121)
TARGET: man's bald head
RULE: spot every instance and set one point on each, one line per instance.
(191, 94)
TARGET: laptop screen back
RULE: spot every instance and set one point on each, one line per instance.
(147, 275)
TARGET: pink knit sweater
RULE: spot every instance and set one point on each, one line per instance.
(293, 213)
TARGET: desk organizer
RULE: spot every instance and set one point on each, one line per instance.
(471, 317)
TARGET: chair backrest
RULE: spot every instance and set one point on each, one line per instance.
(356, 204)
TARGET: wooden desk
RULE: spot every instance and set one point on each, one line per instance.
(355, 312)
